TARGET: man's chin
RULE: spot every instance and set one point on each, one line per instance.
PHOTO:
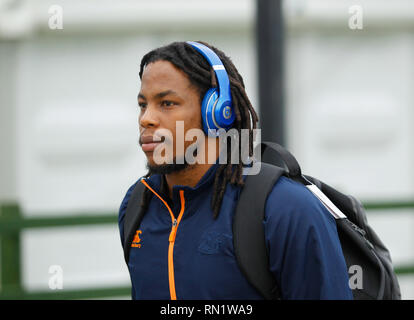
(166, 168)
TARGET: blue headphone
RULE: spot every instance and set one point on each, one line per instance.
(216, 107)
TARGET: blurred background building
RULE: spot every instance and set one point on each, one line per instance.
(69, 129)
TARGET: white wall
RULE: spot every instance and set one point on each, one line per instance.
(78, 145)
(70, 98)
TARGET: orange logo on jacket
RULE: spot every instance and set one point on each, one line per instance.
(137, 240)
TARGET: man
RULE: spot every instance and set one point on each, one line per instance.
(183, 248)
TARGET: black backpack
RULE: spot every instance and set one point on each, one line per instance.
(360, 244)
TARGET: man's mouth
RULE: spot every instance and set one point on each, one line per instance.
(149, 143)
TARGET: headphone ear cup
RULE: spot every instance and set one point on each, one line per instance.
(207, 109)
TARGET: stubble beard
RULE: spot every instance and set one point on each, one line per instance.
(167, 168)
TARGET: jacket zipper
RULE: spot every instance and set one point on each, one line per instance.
(171, 239)
(173, 234)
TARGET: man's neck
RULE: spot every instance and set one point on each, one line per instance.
(190, 176)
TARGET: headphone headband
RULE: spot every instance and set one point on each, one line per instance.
(218, 67)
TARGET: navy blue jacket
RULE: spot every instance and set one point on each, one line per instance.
(195, 259)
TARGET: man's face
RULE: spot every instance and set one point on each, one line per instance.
(166, 96)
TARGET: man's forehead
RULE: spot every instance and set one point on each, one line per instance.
(162, 71)
(161, 77)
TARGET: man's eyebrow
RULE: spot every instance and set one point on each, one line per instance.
(140, 95)
(160, 94)
(165, 93)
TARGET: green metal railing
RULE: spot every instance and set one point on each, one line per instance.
(12, 223)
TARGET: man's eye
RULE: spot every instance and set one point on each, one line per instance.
(167, 103)
(142, 105)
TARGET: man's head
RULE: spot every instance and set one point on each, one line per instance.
(174, 80)
(167, 96)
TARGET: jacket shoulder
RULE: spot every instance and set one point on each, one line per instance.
(291, 200)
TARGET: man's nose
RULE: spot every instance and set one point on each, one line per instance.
(149, 117)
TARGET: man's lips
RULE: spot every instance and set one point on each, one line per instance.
(149, 143)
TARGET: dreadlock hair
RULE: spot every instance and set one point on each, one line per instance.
(202, 76)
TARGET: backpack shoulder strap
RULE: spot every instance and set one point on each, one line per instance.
(248, 232)
(133, 217)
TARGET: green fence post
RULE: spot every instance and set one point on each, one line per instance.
(10, 252)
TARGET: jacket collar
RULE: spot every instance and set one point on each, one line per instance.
(158, 183)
